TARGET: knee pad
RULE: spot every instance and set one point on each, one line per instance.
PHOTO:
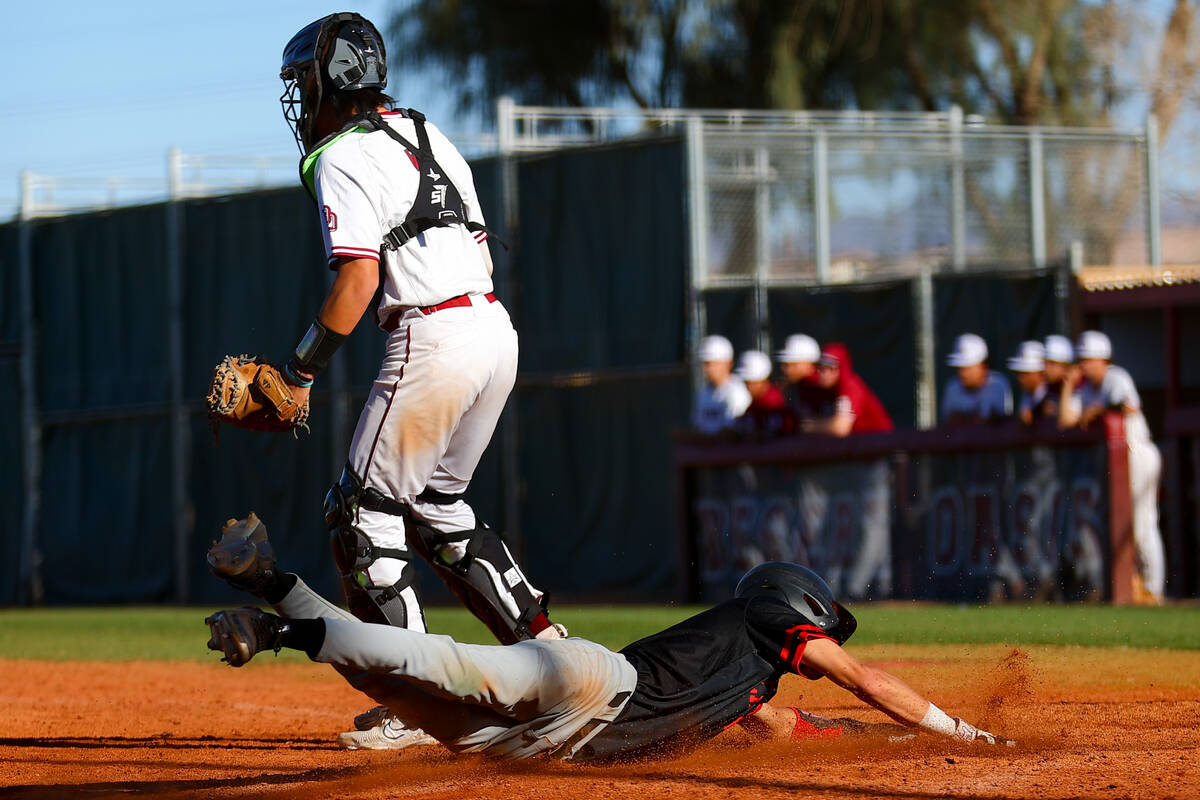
(354, 552)
(487, 580)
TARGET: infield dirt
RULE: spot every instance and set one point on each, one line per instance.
(1091, 723)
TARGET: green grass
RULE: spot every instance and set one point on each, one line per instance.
(179, 634)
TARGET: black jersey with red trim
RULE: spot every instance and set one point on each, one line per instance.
(697, 678)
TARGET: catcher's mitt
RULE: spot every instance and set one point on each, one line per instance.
(254, 395)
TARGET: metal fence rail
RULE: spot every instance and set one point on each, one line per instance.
(800, 197)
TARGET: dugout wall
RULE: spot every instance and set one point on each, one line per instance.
(1003, 512)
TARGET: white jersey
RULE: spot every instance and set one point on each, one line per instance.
(716, 407)
(365, 185)
(1115, 391)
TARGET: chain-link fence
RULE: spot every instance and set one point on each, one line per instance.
(837, 203)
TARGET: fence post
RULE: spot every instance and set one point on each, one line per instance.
(510, 457)
(697, 211)
(1153, 212)
(821, 203)
(926, 388)
(505, 125)
(762, 245)
(1037, 199)
(182, 512)
(1120, 511)
(31, 428)
(958, 193)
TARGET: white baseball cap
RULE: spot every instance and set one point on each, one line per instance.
(754, 365)
(715, 348)
(969, 350)
(799, 349)
(1030, 357)
(1059, 349)
(1094, 344)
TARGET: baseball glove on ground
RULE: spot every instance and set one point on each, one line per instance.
(253, 395)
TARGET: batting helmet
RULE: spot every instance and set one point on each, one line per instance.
(802, 589)
(341, 52)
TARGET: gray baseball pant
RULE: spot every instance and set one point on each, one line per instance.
(514, 701)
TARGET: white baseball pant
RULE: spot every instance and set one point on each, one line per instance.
(430, 415)
(1145, 468)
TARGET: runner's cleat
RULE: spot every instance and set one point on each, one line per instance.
(391, 734)
(243, 557)
(240, 633)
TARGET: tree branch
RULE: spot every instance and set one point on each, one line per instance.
(1032, 94)
(1177, 66)
(912, 65)
(994, 25)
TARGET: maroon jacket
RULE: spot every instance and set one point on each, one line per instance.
(852, 395)
(769, 414)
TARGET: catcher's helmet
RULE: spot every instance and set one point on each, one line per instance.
(340, 52)
(803, 590)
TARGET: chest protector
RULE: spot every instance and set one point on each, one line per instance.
(438, 203)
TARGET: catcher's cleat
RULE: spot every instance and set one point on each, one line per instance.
(239, 633)
(390, 734)
(243, 557)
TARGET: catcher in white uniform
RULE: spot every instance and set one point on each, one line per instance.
(404, 232)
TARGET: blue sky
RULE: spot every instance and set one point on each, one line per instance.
(106, 88)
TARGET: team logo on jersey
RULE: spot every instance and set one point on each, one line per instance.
(433, 176)
(330, 218)
(438, 195)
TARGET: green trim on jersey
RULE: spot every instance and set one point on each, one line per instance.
(308, 164)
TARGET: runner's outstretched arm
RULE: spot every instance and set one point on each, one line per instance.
(886, 692)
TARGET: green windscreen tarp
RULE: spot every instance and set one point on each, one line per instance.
(601, 259)
(11, 501)
(255, 276)
(104, 532)
(601, 273)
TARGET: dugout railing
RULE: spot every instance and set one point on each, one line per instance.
(965, 514)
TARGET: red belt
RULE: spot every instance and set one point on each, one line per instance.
(393, 322)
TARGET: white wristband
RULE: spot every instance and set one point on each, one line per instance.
(938, 721)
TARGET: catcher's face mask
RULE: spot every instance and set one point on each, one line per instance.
(299, 85)
(344, 49)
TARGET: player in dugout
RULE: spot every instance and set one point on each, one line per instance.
(976, 393)
(1107, 387)
(1057, 366)
(575, 699)
(768, 413)
(850, 406)
(724, 397)
(1029, 365)
(798, 365)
